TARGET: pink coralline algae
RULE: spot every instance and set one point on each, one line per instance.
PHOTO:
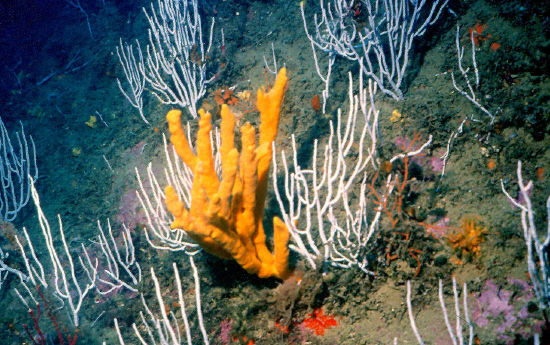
(406, 142)
(225, 332)
(521, 198)
(437, 162)
(505, 311)
(131, 212)
(434, 163)
(439, 228)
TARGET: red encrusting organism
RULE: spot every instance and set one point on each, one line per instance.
(318, 322)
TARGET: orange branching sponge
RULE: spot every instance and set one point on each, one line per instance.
(468, 237)
(226, 213)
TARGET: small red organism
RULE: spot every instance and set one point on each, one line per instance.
(316, 103)
(318, 322)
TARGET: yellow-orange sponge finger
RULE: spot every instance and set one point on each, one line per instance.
(179, 140)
